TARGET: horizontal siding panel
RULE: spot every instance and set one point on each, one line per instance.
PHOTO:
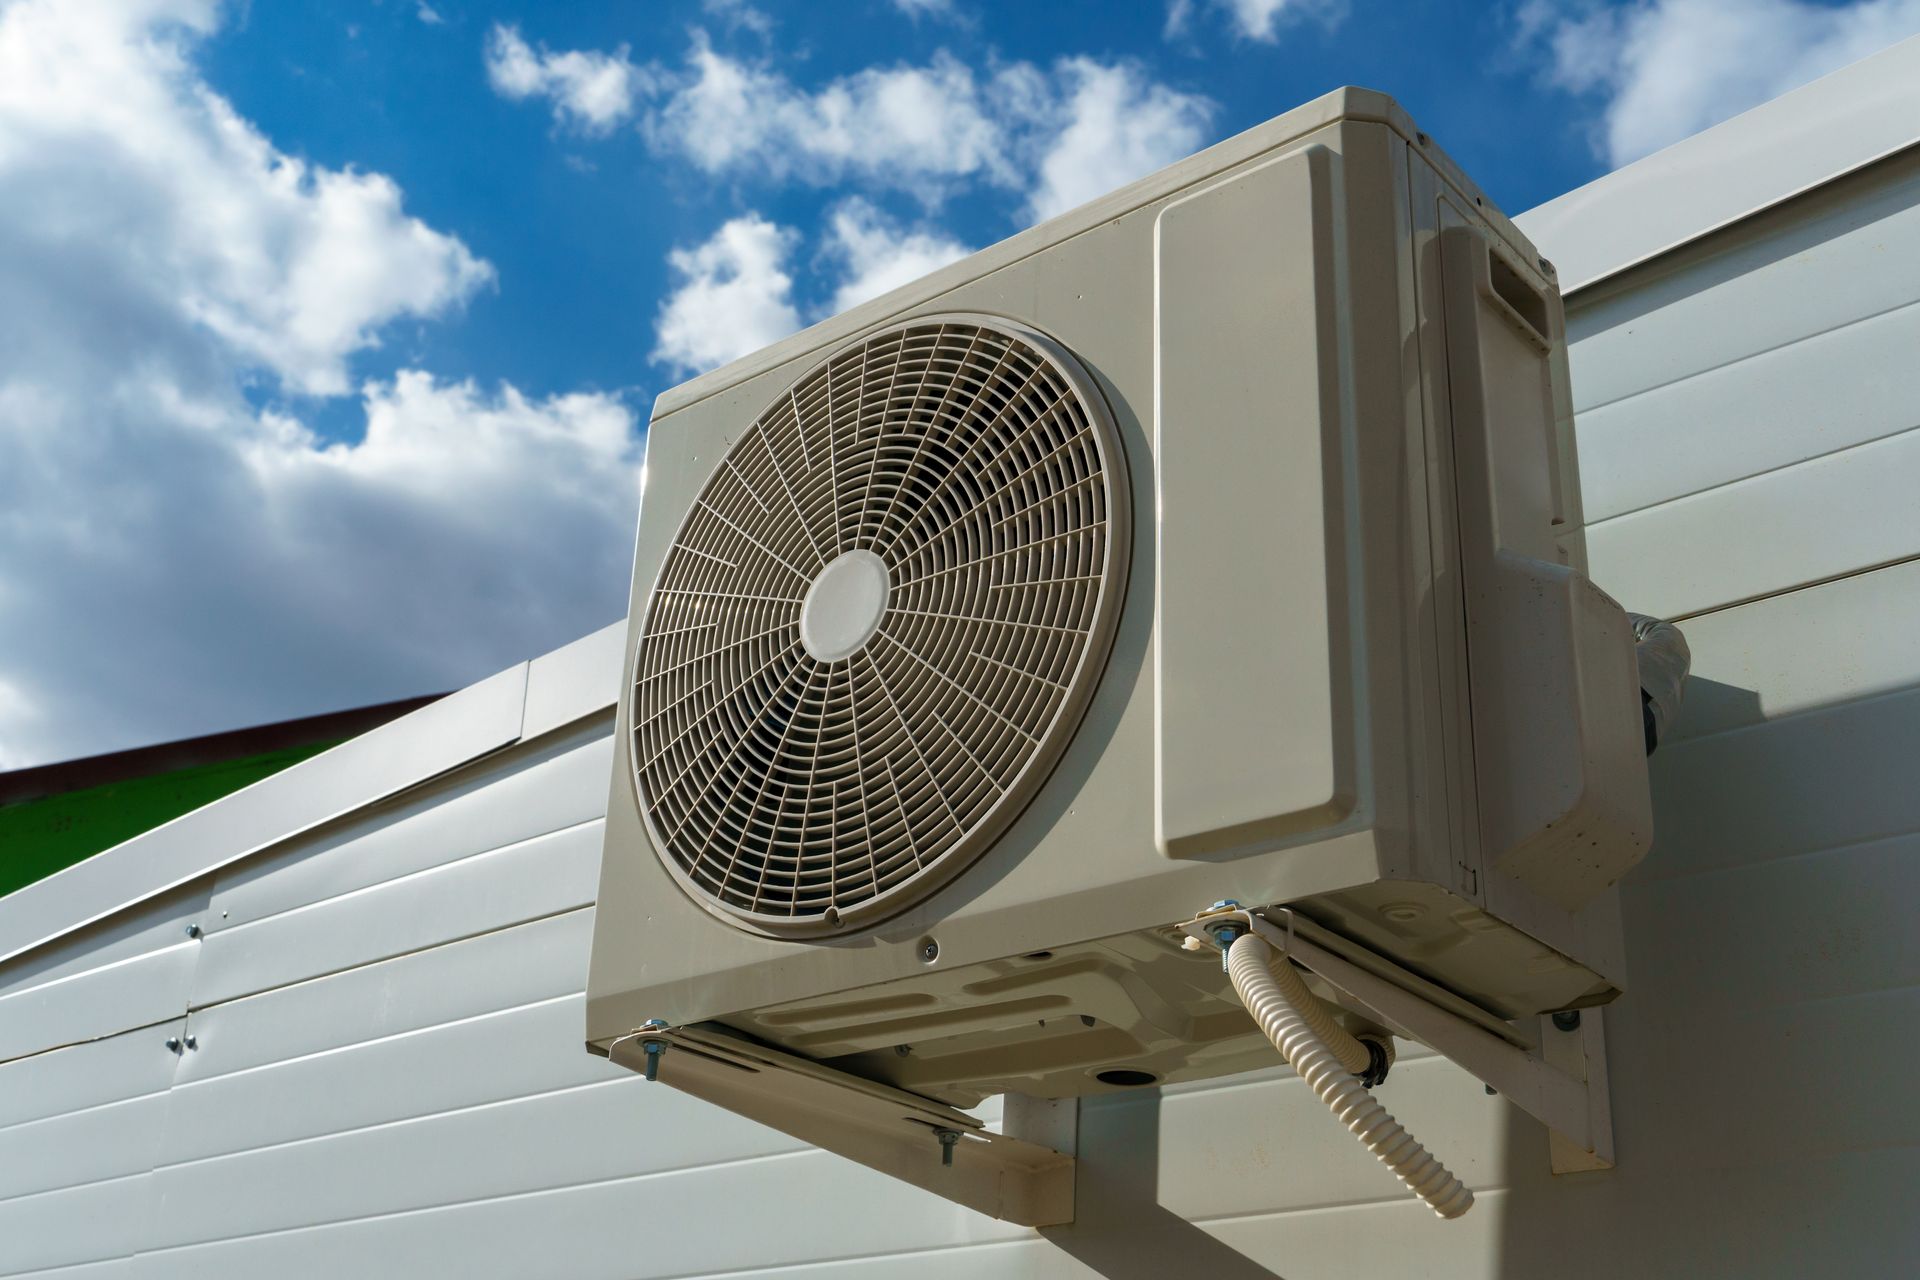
(759, 1213)
(514, 1053)
(152, 926)
(1833, 778)
(543, 876)
(1852, 638)
(1828, 262)
(91, 1223)
(1838, 389)
(501, 970)
(594, 1133)
(1820, 926)
(110, 1141)
(86, 1113)
(1823, 518)
(86, 1075)
(560, 786)
(98, 1003)
(1287, 1151)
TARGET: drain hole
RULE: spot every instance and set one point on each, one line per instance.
(1038, 955)
(1128, 1077)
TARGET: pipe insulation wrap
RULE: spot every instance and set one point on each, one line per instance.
(1664, 660)
(1286, 1011)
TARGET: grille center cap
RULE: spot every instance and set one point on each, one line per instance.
(844, 606)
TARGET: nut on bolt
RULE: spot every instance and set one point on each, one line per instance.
(949, 1138)
(1227, 930)
(653, 1047)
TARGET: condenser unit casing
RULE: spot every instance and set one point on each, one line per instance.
(1292, 450)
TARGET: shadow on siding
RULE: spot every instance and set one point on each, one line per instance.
(1120, 1228)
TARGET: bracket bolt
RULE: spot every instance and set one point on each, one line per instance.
(949, 1138)
(1224, 934)
(653, 1048)
(1567, 1020)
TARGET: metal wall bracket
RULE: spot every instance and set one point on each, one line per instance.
(1557, 1076)
(916, 1139)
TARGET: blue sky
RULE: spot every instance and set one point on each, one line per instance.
(332, 327)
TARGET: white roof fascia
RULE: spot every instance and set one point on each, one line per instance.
(525, 701)
(1797, 142)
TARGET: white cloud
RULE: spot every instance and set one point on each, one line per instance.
(107, 139)
(877, 255)
(1670, 68)
(428, 14)
(178, 561)
(1065, 134)
(589, 90)
(740, 16)
(918, 9)
(1253, 19)
(1112, 126)
(909, 126)
(735, 296)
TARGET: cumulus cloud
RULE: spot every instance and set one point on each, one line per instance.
(734, 295)
(1667, 69)
(876, 255)
(104, 139)
(1058, 135)
(589, 90)
(1111, 126)
(179, 560)
(903, 125)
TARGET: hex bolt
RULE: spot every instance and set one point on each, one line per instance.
(653, 1048)
(193, 931)
(949, 1138)
(1567, 1020)
(173, 1044)
(192, 1042)
(1224, 934)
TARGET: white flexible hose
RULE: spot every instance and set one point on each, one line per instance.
(1286, 1011)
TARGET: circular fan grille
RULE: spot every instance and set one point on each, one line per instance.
(879, 625)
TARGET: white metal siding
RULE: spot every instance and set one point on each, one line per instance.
(389, 1079)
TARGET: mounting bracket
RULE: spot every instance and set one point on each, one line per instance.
(916, 1139)
(1559, 1077)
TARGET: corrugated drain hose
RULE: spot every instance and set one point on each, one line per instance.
(1299, 1027)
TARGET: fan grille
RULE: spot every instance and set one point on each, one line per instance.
(798, 794)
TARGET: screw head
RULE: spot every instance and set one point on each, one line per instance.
(192, 1042)
(173, 1043)
(193, 931)
(1225, 904)
(929, 951)
(1567, 1020)
(654, 1024)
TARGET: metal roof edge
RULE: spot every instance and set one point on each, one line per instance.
(524, 701)
(1802, 140)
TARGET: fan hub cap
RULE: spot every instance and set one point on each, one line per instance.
(844, 606)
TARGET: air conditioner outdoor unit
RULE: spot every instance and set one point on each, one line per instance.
(1218, 542)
